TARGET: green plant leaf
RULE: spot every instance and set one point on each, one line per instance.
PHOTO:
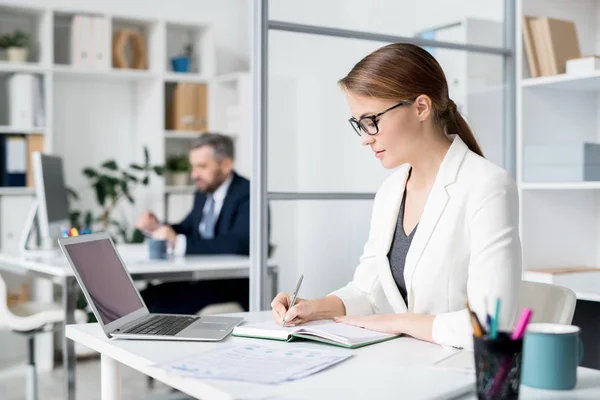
(146, 180)
(111, 165)
(90, 173)
(136, 166)
(72, 193)
(88, 219)
(159, 170)
(100, 192)
(146, 156)
(129, 176)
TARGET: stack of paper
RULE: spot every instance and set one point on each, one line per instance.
(256, 364)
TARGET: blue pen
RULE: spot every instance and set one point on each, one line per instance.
(488, 317)
(494, 326)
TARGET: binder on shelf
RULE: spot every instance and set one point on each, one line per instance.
(14, 158)
(35, 142)
(100, 43)
(21, 89)
(80, 41)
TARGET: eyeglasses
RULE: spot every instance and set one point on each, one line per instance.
(368, 124)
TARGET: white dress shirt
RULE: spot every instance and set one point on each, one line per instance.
(219, 197)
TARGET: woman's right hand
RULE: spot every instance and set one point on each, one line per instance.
(303, 310)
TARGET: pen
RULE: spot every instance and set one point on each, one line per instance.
(293, 298)
(521, 325)
(494, 327)
(477, 329)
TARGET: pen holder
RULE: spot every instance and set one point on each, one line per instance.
(498, 367)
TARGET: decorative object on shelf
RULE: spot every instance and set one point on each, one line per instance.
(182, 63)
(15, 298)
(178, 168)
(111, 184)
(561, 162)
(583, 65)
(549, 43)
(138, 50)
(187, 108)
(16, 45)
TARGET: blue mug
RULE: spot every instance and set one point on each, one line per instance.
(157, 249)
(551, 354)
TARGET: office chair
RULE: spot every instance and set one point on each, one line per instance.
(29, 319)
(550, 303)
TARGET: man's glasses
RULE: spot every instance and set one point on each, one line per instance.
(368, 124)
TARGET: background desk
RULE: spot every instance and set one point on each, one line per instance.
(400, 368)
(57, 269)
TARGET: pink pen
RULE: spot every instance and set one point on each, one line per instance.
(521, 325)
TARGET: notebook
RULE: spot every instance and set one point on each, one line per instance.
(328, 331)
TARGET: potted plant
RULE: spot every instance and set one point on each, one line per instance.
(182, 62)
(178, 168)
(16, 45)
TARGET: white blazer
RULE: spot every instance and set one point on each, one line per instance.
(466, 245)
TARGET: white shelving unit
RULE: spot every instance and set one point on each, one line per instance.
(560, 221)
(98, 114)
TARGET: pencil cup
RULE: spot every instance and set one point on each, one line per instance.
(498, 367)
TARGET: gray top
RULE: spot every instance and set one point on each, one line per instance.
(399, 250)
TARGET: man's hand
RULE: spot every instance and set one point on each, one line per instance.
(165, 232)
(147, 222)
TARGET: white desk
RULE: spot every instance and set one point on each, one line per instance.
(400, 368)
(57, 269)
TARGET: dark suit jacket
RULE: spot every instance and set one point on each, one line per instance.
(232, 230)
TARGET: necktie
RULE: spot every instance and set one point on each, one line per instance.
(209, 219)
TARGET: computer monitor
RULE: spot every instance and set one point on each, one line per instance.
(51, 198)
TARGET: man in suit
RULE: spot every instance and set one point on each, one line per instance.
(219, 223)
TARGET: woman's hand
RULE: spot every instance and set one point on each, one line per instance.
(303, 310)
(419, 326)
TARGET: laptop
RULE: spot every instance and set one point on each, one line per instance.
(117, 303)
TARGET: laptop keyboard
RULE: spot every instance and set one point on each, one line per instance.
(163, 325)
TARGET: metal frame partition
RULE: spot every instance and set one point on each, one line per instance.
(260, 195)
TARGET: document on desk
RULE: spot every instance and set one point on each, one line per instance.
(256, 363)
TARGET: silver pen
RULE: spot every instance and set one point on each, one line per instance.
(293, 298)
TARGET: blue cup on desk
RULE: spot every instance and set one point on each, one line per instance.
(551, 354)
(157, 249)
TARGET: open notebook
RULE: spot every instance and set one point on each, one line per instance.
(322, 331)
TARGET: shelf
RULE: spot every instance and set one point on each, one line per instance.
(116, 74)
(17, 191)
(231, 77)
(560, 185)
(189, 135)
(589, 83)
(187, 189)
(10, 129)
(32, 67)
(185, 77)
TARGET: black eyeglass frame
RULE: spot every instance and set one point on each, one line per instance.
(358, 124)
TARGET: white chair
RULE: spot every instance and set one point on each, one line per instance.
(550, 303)
(31, 318)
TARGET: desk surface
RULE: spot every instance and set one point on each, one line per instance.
(391, 368)
(402, 367)
(135, 258)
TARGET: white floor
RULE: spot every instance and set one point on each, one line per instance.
(133, 384)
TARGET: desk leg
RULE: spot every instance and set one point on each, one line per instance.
(111, 378)
(69, 294)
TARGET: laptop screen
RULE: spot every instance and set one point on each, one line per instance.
(104, 278)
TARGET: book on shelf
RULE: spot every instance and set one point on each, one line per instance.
(549, 44)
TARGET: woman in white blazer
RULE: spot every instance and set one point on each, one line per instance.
(444, 227)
